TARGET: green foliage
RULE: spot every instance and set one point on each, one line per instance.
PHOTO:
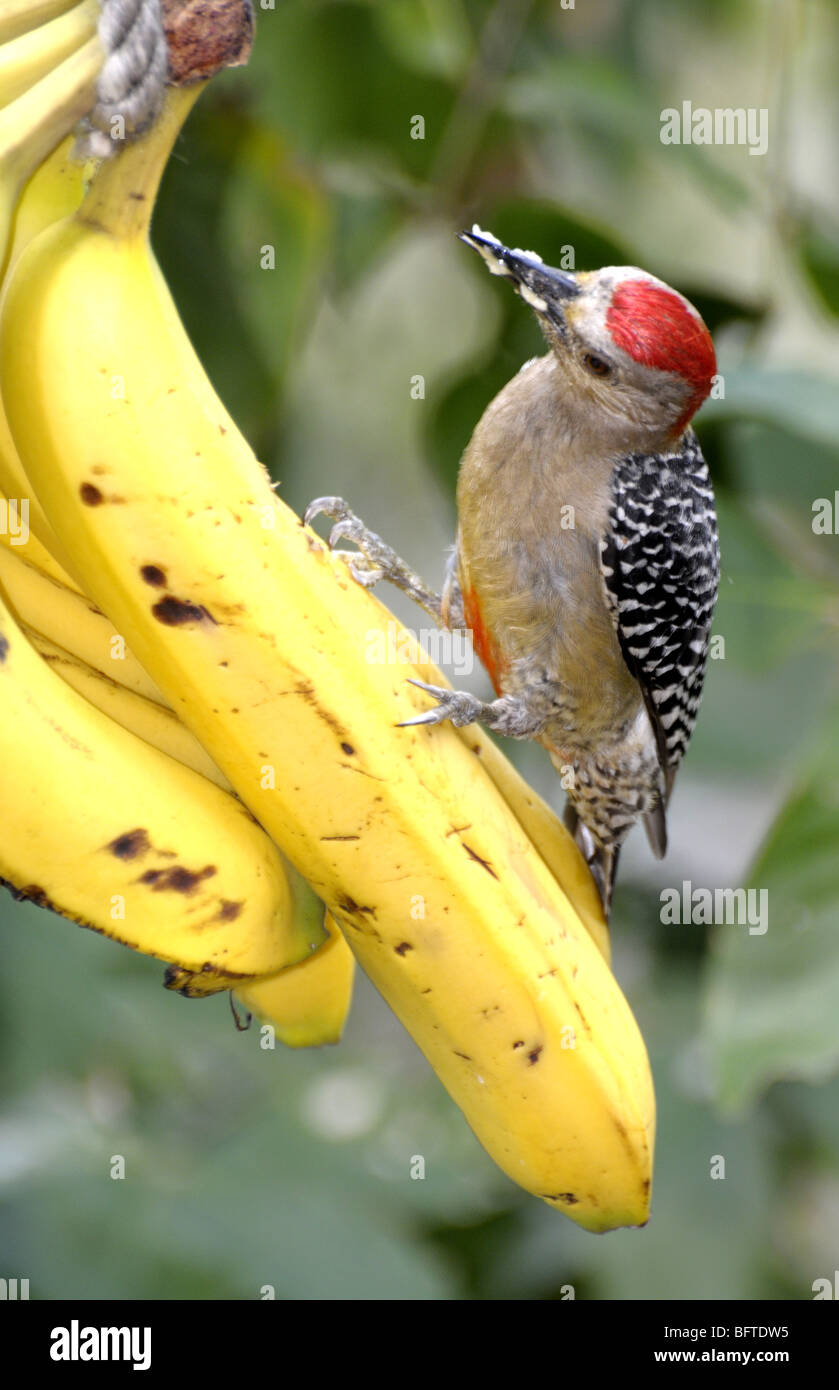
(246, 1168)
(772, 997)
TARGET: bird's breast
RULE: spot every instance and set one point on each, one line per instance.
(531, 517)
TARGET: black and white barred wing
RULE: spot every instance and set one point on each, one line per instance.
(661, 568)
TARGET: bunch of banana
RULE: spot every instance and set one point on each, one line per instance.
(458, 891)
(160, 907)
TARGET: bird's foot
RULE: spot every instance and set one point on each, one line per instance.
(508, 715)
(375, 559)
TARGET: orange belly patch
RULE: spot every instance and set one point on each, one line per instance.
(483, 643)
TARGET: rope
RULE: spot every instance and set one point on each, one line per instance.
(132, 83)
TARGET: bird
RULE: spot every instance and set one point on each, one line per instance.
(586, 563)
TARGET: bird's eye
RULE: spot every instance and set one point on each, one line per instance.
(598, 366)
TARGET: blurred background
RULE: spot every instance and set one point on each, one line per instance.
(249, 1168)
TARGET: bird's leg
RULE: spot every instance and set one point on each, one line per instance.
(376, 560)
(510, 715)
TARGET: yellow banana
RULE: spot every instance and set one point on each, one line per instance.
(20, 16)
(541, 825)
(113, 834)
(257, 637)
(54, 190)
(155, 723)
(115, 685)
(17, 536)
(33, 124)
(67, 617)
(31, 56)
(307, 1004)
(118, 685)
(17, 491)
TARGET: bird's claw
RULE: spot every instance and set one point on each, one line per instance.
(369, 564)
(457, 706)
(367, 577)
(333, 507)
(347, 527)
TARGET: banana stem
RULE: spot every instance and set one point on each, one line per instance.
(25, 60)
(121, 195)
(19, 16)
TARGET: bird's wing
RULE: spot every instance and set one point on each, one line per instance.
(661, 568)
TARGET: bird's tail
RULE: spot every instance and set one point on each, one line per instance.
(602, 862)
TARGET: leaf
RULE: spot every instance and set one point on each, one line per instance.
(432, 36)
(323, 75)
(601, 96)
(771, 998)
(819, 248)
(797, 401)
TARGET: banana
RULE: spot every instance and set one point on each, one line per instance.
(156, 724)
(17, 491)
(21, 16)
(116, 685)
(54, 190)
(33, 124)
(545, 831)
(65, 616)
(118, 837)
(28, 58)
(17, 537)
(257, 637)
(307, 1004)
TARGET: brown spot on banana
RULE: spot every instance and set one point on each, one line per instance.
(196, 984)
(484, 863)
(31, 893)
(154, 575)
(175, 612)
(177, 879)
(229, 911)
(132, 845)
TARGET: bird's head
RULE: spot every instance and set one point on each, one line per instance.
(625, 342)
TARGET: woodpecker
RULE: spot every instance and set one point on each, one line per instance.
(587, 557)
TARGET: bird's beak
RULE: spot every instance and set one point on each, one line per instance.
(541, 286)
